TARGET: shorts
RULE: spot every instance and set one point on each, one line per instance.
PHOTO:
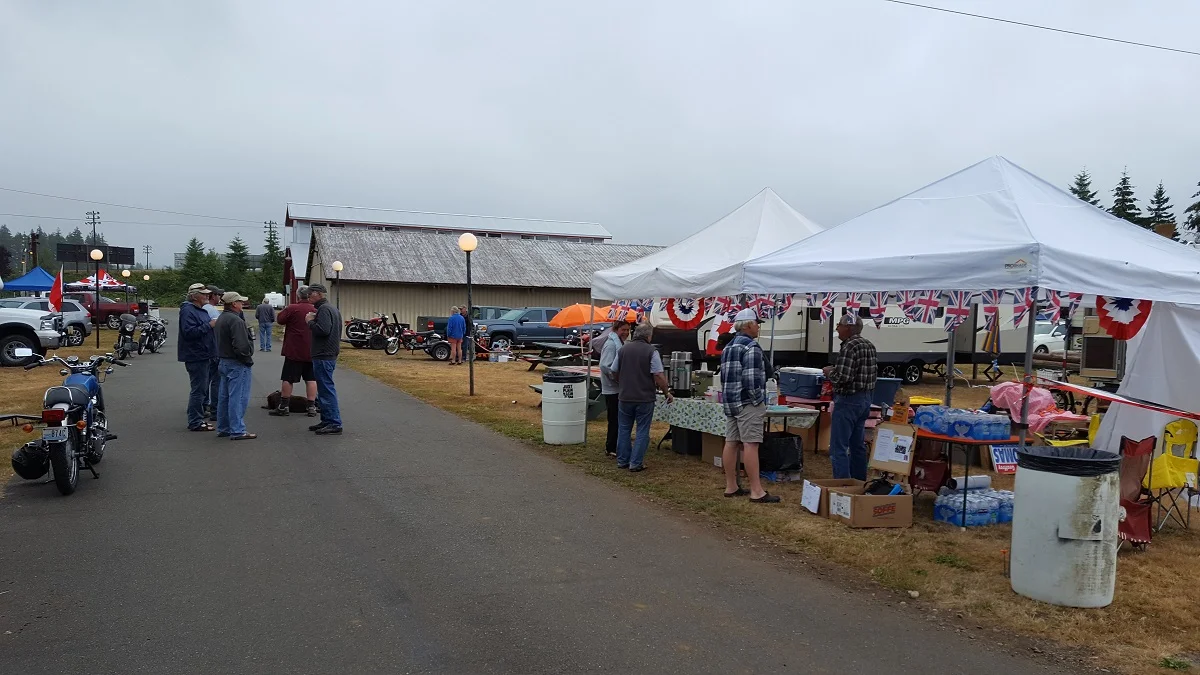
(294, 371)
(747, 427)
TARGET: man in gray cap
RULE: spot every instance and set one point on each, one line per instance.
(326, 327)
(853, 376)
(196, 351)
(236, 352)
(214, 376)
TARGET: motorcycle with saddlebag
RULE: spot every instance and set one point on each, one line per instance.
(76, 429)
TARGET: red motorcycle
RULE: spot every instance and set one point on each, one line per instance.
(373, 333)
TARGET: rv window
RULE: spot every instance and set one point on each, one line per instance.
(1100, 353)
(864, 312)
(814, 313)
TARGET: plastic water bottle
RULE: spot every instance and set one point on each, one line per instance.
(772, 393)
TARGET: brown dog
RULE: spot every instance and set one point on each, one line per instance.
(297, 404)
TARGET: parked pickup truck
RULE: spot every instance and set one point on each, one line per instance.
(522, 327)
(479, 313)
(110, 310)
(26, 328)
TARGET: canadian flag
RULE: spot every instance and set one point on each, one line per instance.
(720, 327)
(56, 292)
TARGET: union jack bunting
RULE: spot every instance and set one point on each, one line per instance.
(854, 301)
(765, 304)
(824, 301)
(621, 307)
(879, 301)
(907, 299)
(724, 305)
(991, 307)
(1022, 302)
(924, 307)
(1073, 302)
(958, 308)
(1055, 309)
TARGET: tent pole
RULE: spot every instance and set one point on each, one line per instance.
(1023, 429)
(950, 364)
(774, 314)
(587, 380)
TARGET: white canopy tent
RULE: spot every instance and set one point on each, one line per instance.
(990, 226)
(709, 263)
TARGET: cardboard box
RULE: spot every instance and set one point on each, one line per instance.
(821, 488)
(809, 435)
(850, 506)
(710, 449)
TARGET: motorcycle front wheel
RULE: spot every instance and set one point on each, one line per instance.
(141, 347)
(393, 346)
(66, 466)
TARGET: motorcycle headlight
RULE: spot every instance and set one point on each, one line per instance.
(129, 327)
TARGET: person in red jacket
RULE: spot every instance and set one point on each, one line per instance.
(297, 355)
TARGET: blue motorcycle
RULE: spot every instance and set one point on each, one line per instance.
(75, 428)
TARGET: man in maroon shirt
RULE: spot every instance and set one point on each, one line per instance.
(297, 354)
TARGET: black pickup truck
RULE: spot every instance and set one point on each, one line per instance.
(478, 313)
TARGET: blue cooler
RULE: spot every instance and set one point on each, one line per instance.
(800, 382)
(885, 391)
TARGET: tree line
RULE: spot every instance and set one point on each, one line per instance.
(15, 253)
(1159, 208)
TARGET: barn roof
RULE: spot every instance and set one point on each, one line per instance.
(362, 215)
(413, 256)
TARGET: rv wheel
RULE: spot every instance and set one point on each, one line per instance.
(889, 370)
(912, 372)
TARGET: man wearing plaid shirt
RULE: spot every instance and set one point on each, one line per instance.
(853, 377)
(744, 388)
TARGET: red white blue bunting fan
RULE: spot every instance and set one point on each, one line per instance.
(958, 308)
(879, 301)
(685, 313)
(1122, 318)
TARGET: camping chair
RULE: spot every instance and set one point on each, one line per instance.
(1179, 438)
(1093, 427)
(1171, 479)
(1137, 526)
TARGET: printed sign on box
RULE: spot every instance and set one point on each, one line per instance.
(1004, 458)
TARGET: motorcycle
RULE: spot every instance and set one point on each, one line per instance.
(372, 333)
(153, 334)
(126, 344)
(428, 341)
(76, 429)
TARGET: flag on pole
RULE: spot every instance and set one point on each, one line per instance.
(879, 301)
(958, 308)
(1022, 303)
(56, 292)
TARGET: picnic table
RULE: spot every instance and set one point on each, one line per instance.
(552, 353)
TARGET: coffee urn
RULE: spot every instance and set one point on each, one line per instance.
(681, 374)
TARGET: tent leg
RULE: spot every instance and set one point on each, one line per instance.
(1031, 315)
(950, 365)
(775, 313)
(587, 386)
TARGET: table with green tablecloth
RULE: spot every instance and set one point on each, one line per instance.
(700, 414)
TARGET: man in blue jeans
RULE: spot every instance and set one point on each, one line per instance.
(196, 350)
(265, 315)
(326, 327)
(853, 376)
(638, 371)
(236, 352)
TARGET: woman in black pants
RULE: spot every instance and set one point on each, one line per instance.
(609, 386)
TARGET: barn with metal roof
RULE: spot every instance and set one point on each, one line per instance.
(421, 272)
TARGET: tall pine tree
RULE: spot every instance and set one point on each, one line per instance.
(1082, 187)
(5, 263)
(198, 267)
(237, 260)
(1191, 225)
(1161, 210)
(1124, 202)
(272, 260)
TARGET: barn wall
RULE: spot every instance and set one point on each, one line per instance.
(409, 301)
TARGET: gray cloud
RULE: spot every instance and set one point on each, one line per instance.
(651, 118)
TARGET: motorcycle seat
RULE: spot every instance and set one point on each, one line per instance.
(67, 394)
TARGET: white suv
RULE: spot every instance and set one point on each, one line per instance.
(28, 328)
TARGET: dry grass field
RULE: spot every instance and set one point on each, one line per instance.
(1154, 621)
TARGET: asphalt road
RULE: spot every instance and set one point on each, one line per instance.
(417, 542)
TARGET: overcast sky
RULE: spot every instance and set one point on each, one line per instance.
(652, 118)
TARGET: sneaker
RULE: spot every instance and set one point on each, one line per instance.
(318, 426)
(312, 410)
(281, 411)
(329, 429)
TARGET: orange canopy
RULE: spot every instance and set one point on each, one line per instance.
(581, 315)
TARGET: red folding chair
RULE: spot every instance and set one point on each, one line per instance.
(1138, 524)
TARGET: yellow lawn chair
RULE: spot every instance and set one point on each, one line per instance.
(1093, 427)
(1170, 481)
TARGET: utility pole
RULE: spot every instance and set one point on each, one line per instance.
(147, 249)
(33, 247)
(93, 219)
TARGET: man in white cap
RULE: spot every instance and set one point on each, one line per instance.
(853, 376)
(744, 388)
(197, 349)
(236, 353)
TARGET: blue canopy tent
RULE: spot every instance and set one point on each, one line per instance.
(37, 279)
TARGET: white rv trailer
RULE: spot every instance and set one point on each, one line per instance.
(905, 347)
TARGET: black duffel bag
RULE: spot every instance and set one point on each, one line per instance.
(780, 451)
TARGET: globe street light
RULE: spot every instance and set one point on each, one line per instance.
(337, 272)
(467, 242)
(97, 255)
(125, 274)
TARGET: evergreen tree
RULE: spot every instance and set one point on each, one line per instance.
(214, 269)
(237, 261)
(1161, 209)
(5, 263)
(76, 237)
(193, 261)
(1191, 225)
(1082, 188)
(6, 238)
(1124, 202)
(272, 261)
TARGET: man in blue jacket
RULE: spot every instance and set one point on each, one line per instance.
(197, 348)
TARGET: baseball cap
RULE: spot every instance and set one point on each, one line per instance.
(849, 319)
(747, 315)
(317, 288)
(233, 296)
(214, 290)
(195, 288)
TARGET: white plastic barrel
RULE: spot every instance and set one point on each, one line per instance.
(1064, 536)
(564, 408)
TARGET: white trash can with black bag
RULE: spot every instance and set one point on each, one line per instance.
(564, 408)
(1064, 535)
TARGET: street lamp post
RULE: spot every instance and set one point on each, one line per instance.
(468, 242)
(97, 255)
(146, 278)
(337, 277)
(125, 276)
